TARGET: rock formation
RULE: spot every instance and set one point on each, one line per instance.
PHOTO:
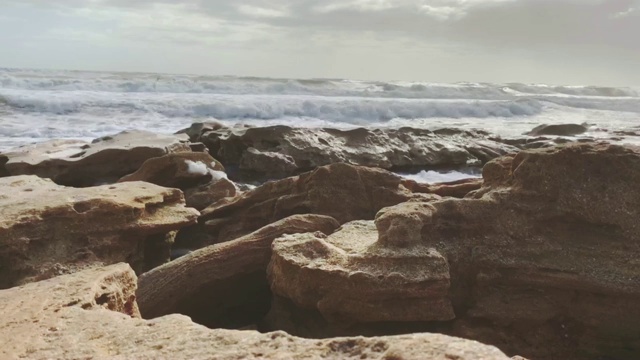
(192, 284)
(280, 151)
(342, 191)
(178, 170)
(201, 177)
(457, 189)
(47, 229)
(542, 261)
(92, 314)
(351, 277)
(559, 130)
(105, 160)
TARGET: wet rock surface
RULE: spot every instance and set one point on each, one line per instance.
(559, 130)
(280, 151)
(47, 229)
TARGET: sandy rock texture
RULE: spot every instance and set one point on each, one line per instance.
(103, 161)
(178, 170)
(351, 277)
(542, 261)
(280, 151)
(92, 314)
(223, 285)
(201, 177)
(344, 192)
(48, 229)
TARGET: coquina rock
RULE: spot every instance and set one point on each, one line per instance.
(351, 277)
(193, 284)
(344, 192)
(543, 260)
(92, 314)
(178, 170)
(47, 229)
(280, 151)
(81, 164)
(201, 177)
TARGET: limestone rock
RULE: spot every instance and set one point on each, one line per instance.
(218, 188)
(81, 164)
(192, 285)
(544, 259)
(280, 151)
(458, 189)
(178, 170)
(342, 191)
(67, 318)
(47, 229)
(352, 277)
(197, 129)
(558, 130)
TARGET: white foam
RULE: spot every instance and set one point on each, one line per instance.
(429, 177)
(37, 105)
(197, 168)
(217, 175)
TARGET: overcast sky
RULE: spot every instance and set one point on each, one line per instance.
(542, 41)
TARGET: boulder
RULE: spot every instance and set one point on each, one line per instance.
(558, 130)
(218, 188)
(196, 130)
(350, 277)
(342, 191)
(192, 284)
(178, 170)
(280, 151)
(543, 260)
(105, 160)
(47, 229)
(92, 314)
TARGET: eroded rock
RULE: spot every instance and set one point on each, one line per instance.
(205, 195)
(105, 160)
(543, 260)
(280, 151)
(67, 318)
(193, 284)
(179, 170)
(558, 130)
(342, 191)
(457, 189)
(47, 229)
(350, 277)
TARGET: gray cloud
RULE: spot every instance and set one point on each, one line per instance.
(600, 34)
(507, 22)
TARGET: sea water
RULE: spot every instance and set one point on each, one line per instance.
(37, 105)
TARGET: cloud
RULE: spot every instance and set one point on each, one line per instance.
(325, 35)
(261, 12)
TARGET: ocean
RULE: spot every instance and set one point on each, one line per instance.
(37, 105)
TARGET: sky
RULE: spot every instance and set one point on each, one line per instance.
(581, 42)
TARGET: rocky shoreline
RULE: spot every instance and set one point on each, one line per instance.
(107, 247)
